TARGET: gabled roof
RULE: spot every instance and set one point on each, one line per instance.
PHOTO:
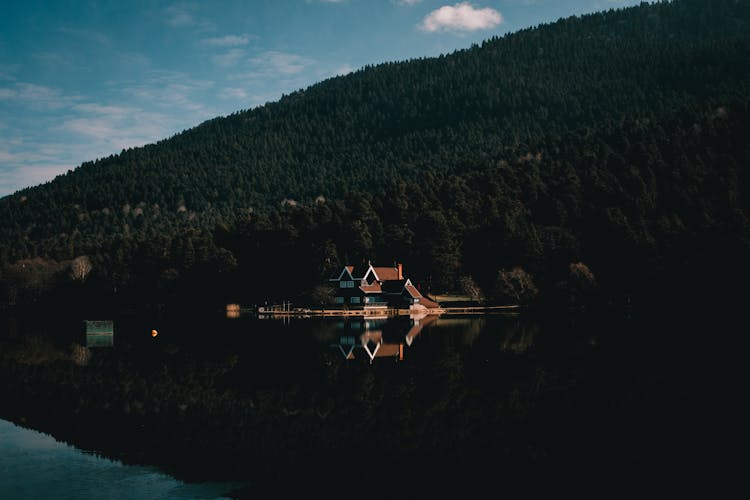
(340, 276)
(360, 271)
(411, 290)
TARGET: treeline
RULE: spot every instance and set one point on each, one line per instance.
(612, 143)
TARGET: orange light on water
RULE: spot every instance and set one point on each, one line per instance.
(154, 333)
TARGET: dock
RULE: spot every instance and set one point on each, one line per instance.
(285, 310)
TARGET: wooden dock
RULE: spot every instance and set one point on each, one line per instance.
(235, 310)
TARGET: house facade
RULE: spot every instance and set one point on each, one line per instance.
(370, 287)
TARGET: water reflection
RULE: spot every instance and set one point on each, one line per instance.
(364, 334)
(35, 465)
(368, 337)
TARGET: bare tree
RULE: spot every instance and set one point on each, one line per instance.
(470, 288)
(515, 285)
(581, 282)
(80, 267)
(581, 276)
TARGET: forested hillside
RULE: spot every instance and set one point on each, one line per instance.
(617, 140)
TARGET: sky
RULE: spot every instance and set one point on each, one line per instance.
(81, 80)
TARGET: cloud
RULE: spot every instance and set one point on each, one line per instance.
(226, 41)
(233, 93)
(460, 17)
(55, 131)
(181, 15)
(37, 96)
(167, 88)
(344, 69)
(280, 63)
(406, 2)
(229, 58)
(23, 174)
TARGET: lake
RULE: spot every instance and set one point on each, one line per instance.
(212, 398)
(35, 466)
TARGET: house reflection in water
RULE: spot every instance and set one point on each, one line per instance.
(366, 334)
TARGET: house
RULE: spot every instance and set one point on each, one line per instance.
(370, 287)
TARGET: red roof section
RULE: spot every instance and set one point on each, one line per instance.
(374, 288)
(386, 273)
(413, 292)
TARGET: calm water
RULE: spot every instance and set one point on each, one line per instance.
(36, 466)
(547, 390)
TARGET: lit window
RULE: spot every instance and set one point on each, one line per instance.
(354, 300)
(339, 300)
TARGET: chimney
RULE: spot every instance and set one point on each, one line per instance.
(400, 271)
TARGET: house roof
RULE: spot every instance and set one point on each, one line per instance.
(411, 290)
(359, 271)
(374, 288)
(386, 273)
(430, 304)
(341, 274)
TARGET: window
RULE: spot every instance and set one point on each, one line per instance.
(354, 300)
(346, 284)
(339, 300)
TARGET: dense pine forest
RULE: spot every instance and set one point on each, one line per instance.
(604, 155)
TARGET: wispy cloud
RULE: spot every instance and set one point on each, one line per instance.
(344, 69)
(167, 88)
(461, 17)
(229, 58)
(226, 41)
(54, 131)
(37, 96)
(182, 15)
(281, 63)
(233, 93)
(22, 173)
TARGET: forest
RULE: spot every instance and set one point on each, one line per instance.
(602, 157)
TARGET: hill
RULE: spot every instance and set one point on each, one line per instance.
(615, 139)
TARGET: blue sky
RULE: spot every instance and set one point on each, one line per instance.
(80, 80)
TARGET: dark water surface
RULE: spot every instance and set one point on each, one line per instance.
(433, 401)
(36, 466)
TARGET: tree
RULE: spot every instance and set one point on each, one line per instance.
(469, 287)
(581, 281)
(322, 295)
(515, 285)
(80, 267)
